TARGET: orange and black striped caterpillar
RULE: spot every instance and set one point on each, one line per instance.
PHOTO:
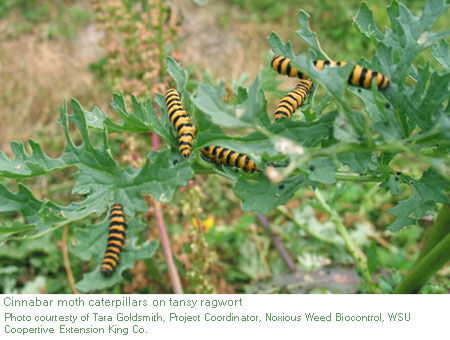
(360, 76)
(180, 119)
(294, 99)
(116, 239)
(221, 155)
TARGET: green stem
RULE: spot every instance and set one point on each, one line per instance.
(425, 269)
(440, 229)
(291, 218)
(145, 6)
(42, 233)
(351, 245)
(402, 123)
(393, 146)
(354, 177)
(162, 52)
(330, 151)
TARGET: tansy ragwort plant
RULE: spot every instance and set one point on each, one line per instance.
(137, 36)
(410, 119)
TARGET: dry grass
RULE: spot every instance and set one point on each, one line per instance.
(36, 76)
(219, 39)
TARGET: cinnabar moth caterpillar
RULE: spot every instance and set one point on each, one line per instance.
(283, 66)
(221, 155)
(180, 119)
(116, 239)
(360, 76)
(294, 99)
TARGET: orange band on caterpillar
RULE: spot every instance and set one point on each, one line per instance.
(116, 239)
(360, 76)
(221, 155)
(294, 99)
(180, 119)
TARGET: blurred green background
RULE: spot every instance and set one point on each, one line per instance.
(52, 50)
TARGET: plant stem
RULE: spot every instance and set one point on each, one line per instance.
(425, 269)
(160, 37)
(351, 245)
(155, 141)
(145, 6)
(354, 177)
(259, 248)
(173, 273)
(65, 253)
(291, 218)
(332, 151)
(46, 231)
(278, 244)
(439, 230)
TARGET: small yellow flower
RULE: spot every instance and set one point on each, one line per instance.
(207, 224)
(194, 222)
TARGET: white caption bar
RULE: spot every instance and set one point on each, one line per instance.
(221, 316)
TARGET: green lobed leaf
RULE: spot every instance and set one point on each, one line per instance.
(86, 153)
(280, 48)
(305, 134)
(7, 231)
(159, 177)
(26, 250)
(385, 121)
(393, 183)
(28, 165)
(344, 131)
(43, 215)
(178, 74)
(366, 24)
(99, 179)
(208, 133)
(410, 35)
(430, 188)
(309, 36)
(96, 119)
(442, 55)
(139, 120)
(255, 104)
(263, 196)
(321, 170)
(22, 201)
(396, 52)
(360, 162)
(437, 92)
(92, 241)
(432, 11)
(257, 143)
(209, 101)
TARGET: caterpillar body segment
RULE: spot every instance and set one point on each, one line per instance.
(320, 64)
(294, 99)
(116, 240)
(283, 66)
(360, 76)
(180, 119)
(221, 155)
